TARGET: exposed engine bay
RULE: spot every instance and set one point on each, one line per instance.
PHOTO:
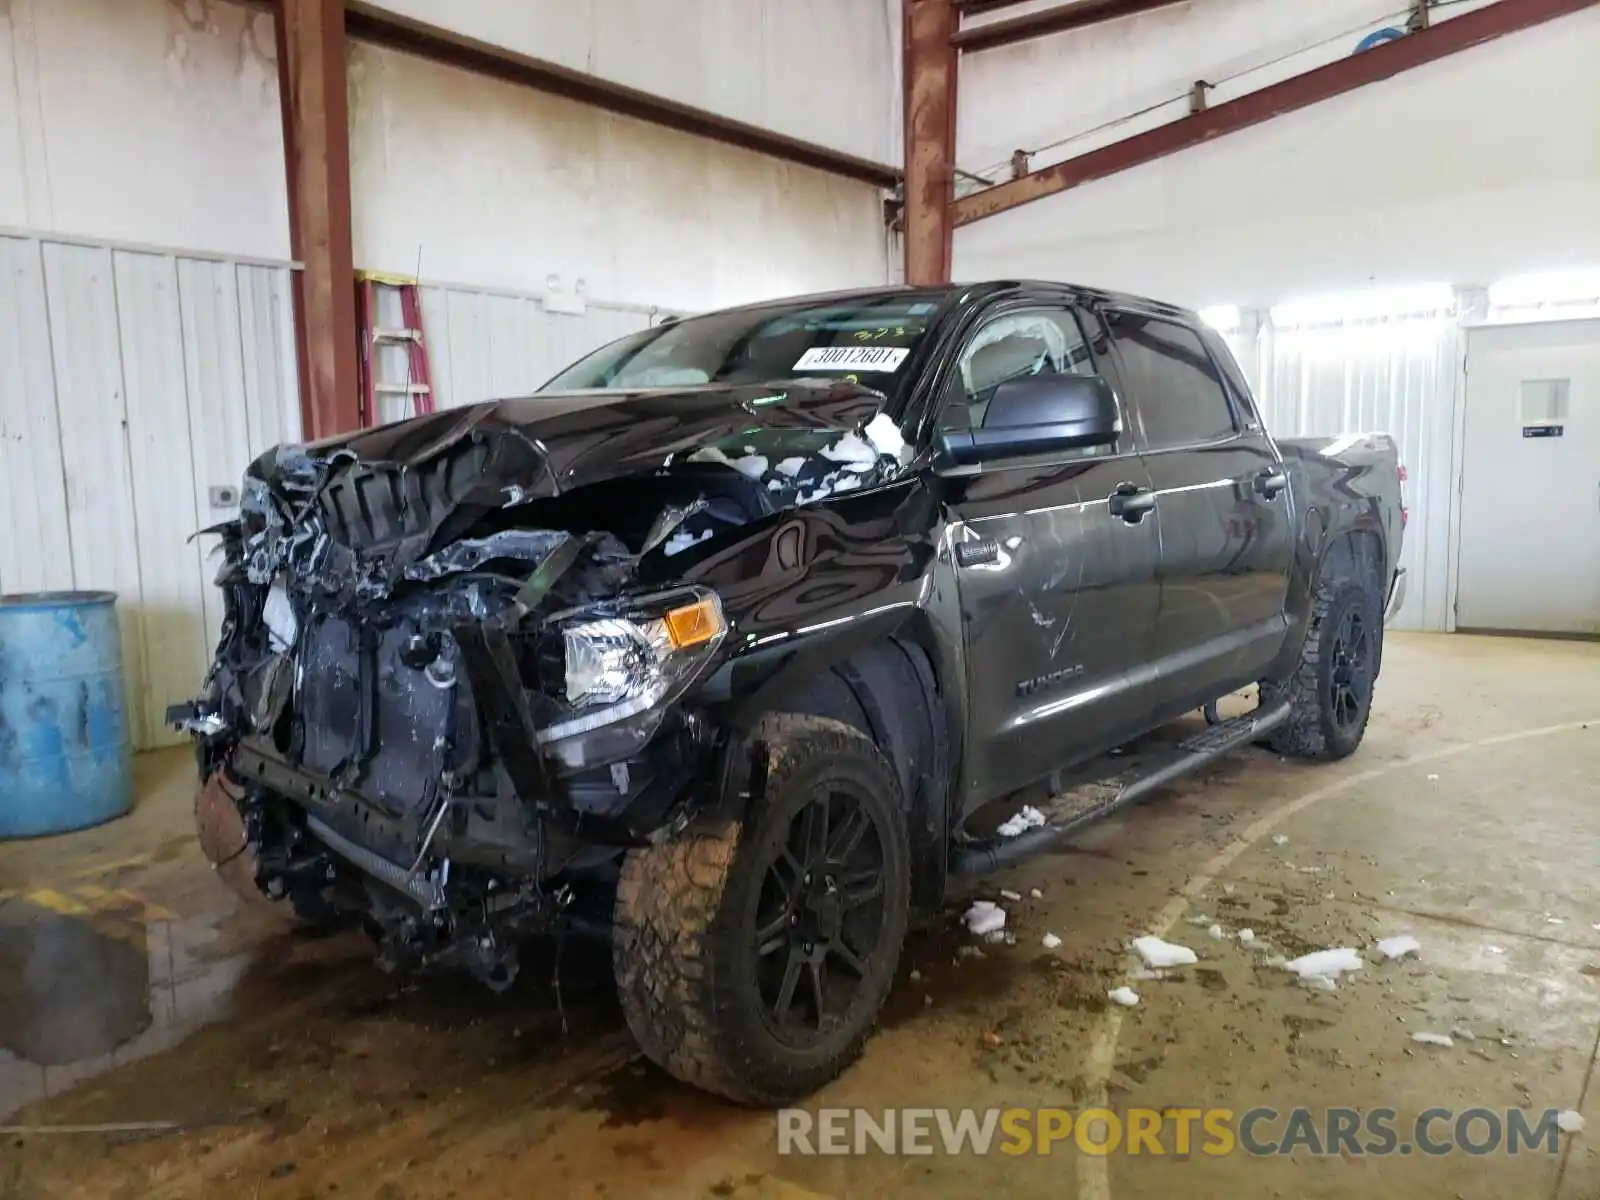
(457, 671)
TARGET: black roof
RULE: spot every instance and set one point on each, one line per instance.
(980, 289)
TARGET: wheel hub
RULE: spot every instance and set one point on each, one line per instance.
(820, 916)
(1350, 679)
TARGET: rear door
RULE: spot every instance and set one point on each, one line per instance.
(1058, 596)
(1222, 510)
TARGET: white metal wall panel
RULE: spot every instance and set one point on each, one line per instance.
(525, 191)
(33, 501)
(827, 71)
(103, 534)
(143, 380)
(266, 335)
(483, 345)
(1397, 377)
(161, 468)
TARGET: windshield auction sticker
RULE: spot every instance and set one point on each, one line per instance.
(852, 358)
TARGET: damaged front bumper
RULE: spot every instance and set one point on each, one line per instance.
(434, 672)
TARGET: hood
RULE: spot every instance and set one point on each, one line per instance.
(353, 516)
(553, 442)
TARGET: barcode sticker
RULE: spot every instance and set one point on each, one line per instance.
(852, 358)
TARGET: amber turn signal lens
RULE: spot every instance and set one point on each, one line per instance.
(694, 623)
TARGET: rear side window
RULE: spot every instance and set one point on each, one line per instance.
(1171, 381)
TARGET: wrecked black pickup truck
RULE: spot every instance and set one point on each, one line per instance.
(735, 641)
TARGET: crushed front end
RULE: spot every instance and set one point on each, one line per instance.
(451, 746)
(458, 674)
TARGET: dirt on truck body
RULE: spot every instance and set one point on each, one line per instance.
(715, 644)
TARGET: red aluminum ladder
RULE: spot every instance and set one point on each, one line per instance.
(393, 385)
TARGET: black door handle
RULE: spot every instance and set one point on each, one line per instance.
(1270, 481)
(1131, 502)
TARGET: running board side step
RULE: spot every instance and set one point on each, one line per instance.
(1072, 812)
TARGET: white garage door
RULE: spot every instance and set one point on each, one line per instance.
(1530, 493)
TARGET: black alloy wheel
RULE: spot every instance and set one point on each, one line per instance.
(821, 916)
(1351, 677)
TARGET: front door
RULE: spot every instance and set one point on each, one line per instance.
(1530, 483)
(1058, 596)
(1222, 508)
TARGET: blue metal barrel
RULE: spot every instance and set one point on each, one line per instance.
(65, 761)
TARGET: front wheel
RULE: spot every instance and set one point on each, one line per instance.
(752, 957)
(1330, 692)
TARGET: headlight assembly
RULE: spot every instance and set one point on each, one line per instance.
(622, 671)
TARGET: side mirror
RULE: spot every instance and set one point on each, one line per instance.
(1038, 414)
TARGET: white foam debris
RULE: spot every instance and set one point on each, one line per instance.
(790, 466)
(1497, 949)
(984, 917)
(1325, 964)
(1036, 893)
(915, 976)
(1216, 932)
(1570, 1121)
(752, 466)
(1279, 839)
(682, 540)
(1398, 947)
(1009, 895)
(886, 438)
(1554, 921)
(1247, 936)
(1320, 983)
(1124, 996)
(1433, 779)
(854, 449)
(1200, 922)
(1147, 973)
(710, 454)
(1462, 1034)
(1158, 954)
(1050, 941)
(1028, 818)
(1433, 1039)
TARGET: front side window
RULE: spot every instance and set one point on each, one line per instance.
(1015, 345)
(1172, 381)
(868, 340)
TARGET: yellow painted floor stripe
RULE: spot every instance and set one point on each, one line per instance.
(57, 902)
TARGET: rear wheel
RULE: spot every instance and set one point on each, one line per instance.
(1330, 692)
(752, 957)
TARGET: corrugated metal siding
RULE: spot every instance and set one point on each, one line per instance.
(142, 380)
(488, 344)
(1399, 377)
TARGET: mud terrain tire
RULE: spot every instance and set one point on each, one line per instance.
(702, 996)
(1330, 691)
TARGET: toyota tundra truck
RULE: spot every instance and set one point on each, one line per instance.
(749, 632)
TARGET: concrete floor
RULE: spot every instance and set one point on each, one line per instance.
(1470, 818)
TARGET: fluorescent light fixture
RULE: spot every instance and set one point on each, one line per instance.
(1546, 287)
(1224, 318)
(1412, 300)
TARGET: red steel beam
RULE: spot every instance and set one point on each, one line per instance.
(316, 137)
(1335, 79)
(974, 8)
(1050, 20)
(930, 133)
